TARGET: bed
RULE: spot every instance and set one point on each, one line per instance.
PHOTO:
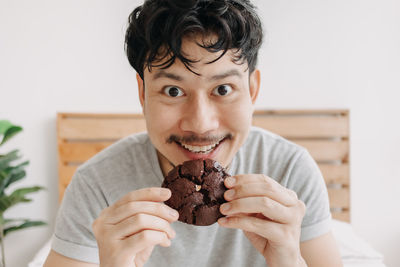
(325, 133)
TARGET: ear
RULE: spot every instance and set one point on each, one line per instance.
(255, 80)
(140, 84)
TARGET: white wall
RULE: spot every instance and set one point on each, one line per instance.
(68, 56)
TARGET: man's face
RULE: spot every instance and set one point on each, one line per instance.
(191, 116)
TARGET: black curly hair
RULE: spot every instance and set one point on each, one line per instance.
(156, 29)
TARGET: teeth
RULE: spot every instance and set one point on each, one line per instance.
(200, 149)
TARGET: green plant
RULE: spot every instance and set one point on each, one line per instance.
(11, 171)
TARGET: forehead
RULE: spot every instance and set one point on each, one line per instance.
(203, 62)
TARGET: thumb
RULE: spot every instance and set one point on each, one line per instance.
(143, 256)
(258, 242)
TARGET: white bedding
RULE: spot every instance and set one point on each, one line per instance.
(355, 251)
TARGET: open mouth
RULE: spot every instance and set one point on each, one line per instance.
(201, 149)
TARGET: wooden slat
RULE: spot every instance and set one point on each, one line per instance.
(111, 126)
(100, 128)
(265, 112)
(319, 150)
(80, 152)
(61, 190)
(327, 150)
(65, 173)
(335, 174)
(339, 198)
(342, 215)
(72, 115)
(304, 126)
(297, 112)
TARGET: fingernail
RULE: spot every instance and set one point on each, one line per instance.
(222, 220)
(225, 207)
(230, 181)
(173, 213)
(164, 192)
(230, 193)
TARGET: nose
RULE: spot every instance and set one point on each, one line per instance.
(200, 116)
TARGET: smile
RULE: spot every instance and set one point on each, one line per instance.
(201, 149)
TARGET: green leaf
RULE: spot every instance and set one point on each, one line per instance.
(11, 169)
(26, 190)
(5, 160)
(9, 221)
(16, 197)
(12, 222)
(7, 202)
(8, 130)
(4, 126)
(12, 175)
(24, 225)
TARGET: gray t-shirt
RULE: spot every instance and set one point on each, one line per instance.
(132, 163)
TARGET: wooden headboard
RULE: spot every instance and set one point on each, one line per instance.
(325, 133)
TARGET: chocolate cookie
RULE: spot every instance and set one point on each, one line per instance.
(197, 191)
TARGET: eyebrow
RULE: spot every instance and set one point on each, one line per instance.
(169, 75)
(216, 77)
(232, 72)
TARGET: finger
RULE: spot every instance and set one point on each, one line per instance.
(249, 178)
(129, 209)
(270, 208)
(276, 193)
(267, 229)
(156, 194)
(140, 222)
(147, 238)
(289, 197)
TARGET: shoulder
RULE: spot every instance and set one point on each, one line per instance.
(111, 170)
(264, 141)
(268, 153)
(119, 153)
(127, 165)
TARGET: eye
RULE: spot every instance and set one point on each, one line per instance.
(222, 90)
(173, 91)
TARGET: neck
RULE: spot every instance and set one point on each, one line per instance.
(165, 164)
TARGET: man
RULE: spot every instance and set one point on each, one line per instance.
(195, 64)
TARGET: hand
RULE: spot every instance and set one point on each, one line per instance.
(127, 231)
(269, 214)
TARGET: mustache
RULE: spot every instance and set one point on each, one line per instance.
(192, 138)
